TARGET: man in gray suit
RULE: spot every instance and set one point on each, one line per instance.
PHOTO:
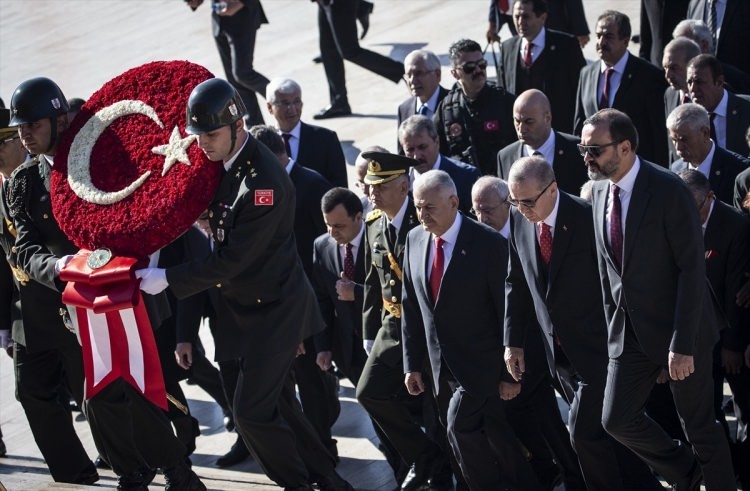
(656, 305)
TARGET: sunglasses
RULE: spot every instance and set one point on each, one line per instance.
(595, 150)
(528, 203)
(470, 66)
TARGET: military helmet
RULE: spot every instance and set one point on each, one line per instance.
(213, 104)
(35, 99)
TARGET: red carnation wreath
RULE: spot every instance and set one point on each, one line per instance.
(126, 176)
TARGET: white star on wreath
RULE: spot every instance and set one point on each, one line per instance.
(175, 150)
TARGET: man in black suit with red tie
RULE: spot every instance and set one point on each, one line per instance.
(532, 117)
(313, 146)
(625, 82)
(422, 75)
(542, 59)
(657, 306)
(451, 272)
(690, 131)
(553, 277)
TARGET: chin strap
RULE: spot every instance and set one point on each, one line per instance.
(233, 133)
(53, 133)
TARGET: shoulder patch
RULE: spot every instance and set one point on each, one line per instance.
(373, 215)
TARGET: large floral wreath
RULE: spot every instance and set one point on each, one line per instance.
(126, 176)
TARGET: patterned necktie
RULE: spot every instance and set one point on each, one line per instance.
(545, 242)
(286, 137)
(712, 21)
(424, 110)
(615, 225)
(604, 101)
(349, 263)
(711, 117)
(527, 60)
(436, 274)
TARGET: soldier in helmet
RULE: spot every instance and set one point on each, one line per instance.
(268, 304)
(130, 433)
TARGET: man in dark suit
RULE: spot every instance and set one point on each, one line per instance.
(730, 113)
(234, 31)
(532, 117)
(441, 257)
(624, 82)
(318, 390)
(564, 16)
(543, 59)
(268, 306)
(419, 139)
(338, 42)
(658, 19)
(474, 119)
(726, 235)
(677, 54)
(312, 146)
(690, 131)
(553, 277)
(656, 305)
(381, 389)
(422, 76)
(730, 29)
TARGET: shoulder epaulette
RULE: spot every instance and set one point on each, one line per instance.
(373, 215)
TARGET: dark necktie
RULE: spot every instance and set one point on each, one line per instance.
(349, 263)
(711, 117)
(615, 225)
(286, 137)
(545, 242)
(685, 98)
(436, 275)
(392, 235)
(503, 5)
(537, 153)
(424, 110)
(527, 56)
(712, 21)
(604, 101)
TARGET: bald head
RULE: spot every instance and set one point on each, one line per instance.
(677, 54)
(532, 117)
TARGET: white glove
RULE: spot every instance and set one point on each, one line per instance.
(61, 263)
(367, 344)
(153, 280)
(5, 339)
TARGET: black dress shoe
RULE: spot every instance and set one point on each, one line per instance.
(137, 481)
(333, 111)
(692, 482)
(420, 470)
(3, 450)
(332, 482)
(229, 421)
(100, 463)
(238, 453)
(363, 16)
(182, 478)
(304, 487)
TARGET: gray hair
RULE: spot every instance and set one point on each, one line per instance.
(696, 30)
(690, 116)
(414, 125)
(430, 59)
(587, 190)
(281, 86)
(491, 183)
(435, 179)
(531, 168)
(685, 46)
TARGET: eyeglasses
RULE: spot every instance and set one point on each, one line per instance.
(485, 210)
(287, 105)
(470, 66)
(528, 203)
(595, 150)
(9, 139)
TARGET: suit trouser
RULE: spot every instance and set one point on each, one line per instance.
(270, 420)
(236, 44)
(338, 41)
(381, 391)
(630, 378)
(39, 375)
(130, 432)
(208, 377)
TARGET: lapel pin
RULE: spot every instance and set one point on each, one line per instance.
(565, 227)
(717, 173)
(463, 252)
(560, 152)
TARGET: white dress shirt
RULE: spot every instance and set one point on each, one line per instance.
(449, 237)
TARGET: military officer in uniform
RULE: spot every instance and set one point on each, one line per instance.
(131, 434)
(381, 389)
(267, 306)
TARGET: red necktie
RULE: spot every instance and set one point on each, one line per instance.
(527, 56)
(685, 98)
(436, 275)
(503, 6)
(604, 101)
(286, 137)
(349, 263)
(615, 225)
(545, 242)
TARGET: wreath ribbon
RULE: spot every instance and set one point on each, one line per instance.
(114, 330)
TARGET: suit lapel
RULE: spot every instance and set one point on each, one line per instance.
(460, 250)
(636, 210)
(625, 81)
(734, 129)
(334, 259)
(421, 262)
(526, 241)
(601, 195)
(561, 240)
(716, 173)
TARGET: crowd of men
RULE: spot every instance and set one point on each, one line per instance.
(573, 229)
